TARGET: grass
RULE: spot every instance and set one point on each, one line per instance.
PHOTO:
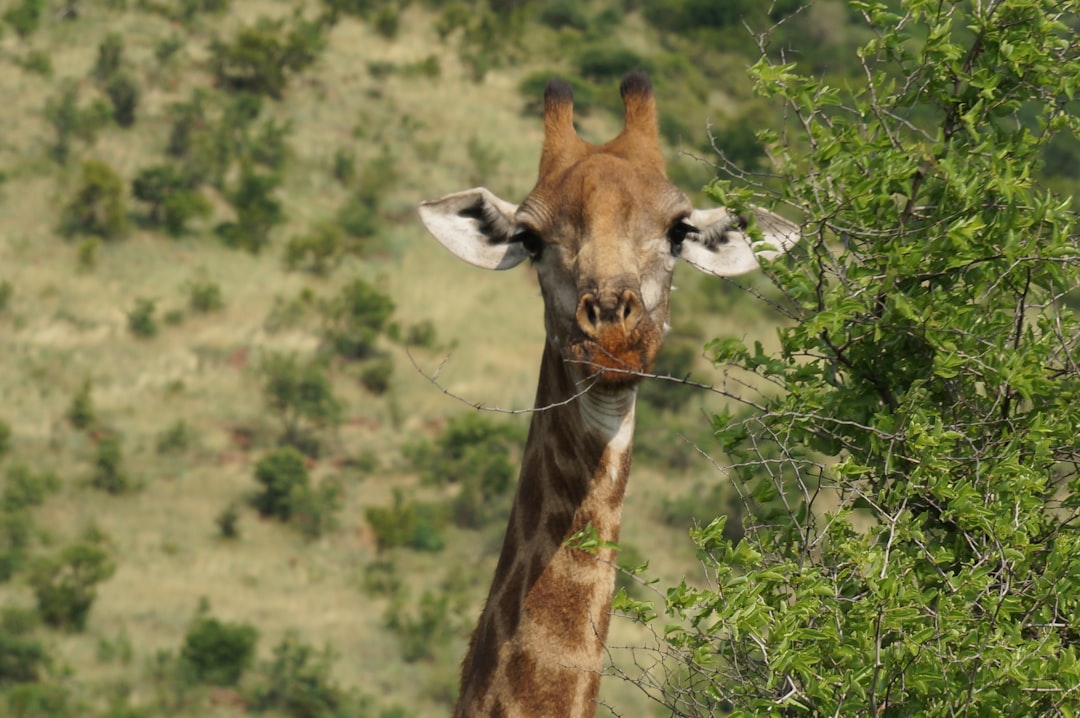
(64, 324)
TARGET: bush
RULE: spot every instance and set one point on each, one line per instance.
(110, 57)
(99, 206)
(16, 531)
(284, 478)
(412, 524)
(69, 121)
(298, 682)
(375, 374)
(354, 319)
(65, 584)
(260, 58)
(141, 320)
(314, 510)
(5, 438)
(81, 411)
(7, 291)
(420, 636)
(475, 452)
(22, 659)
(204, 296)
(176, 439)
(606, 63)
(25, 489)
(301, 396)
(257, 211)
(172, 198)
(318, 251)
(218, 652)
(228, 522)
(108, 474)
(913, 468)
(25, 17)
(560, 14)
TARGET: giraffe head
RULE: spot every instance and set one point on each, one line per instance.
(604, 228)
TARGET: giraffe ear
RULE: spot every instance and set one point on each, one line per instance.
(476, 226)
(724, 243)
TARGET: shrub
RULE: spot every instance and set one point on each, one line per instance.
(204, 296)
(413, 524)
(16, 531)
(475, 452)
(108, 474)
(300, 395)
(260, 58)
(375, 374)
(25, 17)
(916, 452)
(110, 57)
(318, 251)
(22, 659)
(25, 489)
(65, 584)
(38, 62)
(141, 320)
(354, 318)
(344, 169)
(314, 509)
(298, 682)
(81, 411)
(69, 121)
(257, 211)
(218, 652)
(7, 291)
(420, 636)
(172, 199)
(560, 14)
(228, 522)
(5, 438)
(176, 439)
(284, 478)
(604, 63)
(99, 206)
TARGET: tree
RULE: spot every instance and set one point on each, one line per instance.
(913, 478)
(99, 206)
(302, 397)
(65, 584)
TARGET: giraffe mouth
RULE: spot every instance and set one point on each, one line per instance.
(613, 361)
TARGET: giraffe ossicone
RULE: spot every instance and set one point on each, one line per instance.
(604, 228)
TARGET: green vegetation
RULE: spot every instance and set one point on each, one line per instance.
(923, 378)
(213, 290)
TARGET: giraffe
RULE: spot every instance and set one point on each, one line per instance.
(603, 228)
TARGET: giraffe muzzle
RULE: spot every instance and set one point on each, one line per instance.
(601, 312)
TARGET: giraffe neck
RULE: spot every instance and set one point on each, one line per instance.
(538, 648)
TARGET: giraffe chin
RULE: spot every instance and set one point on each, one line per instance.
(612, 365)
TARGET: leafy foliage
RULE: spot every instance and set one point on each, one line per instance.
(913, 479)
(413, 524)
(218, 652)
(99, 206)
(260, 58)
(65, 583)
(354, 319)
(173, 200)
(284, 476)
(302, 397)
(474, 452)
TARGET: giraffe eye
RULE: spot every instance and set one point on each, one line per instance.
(678, 233)
(531, 241)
